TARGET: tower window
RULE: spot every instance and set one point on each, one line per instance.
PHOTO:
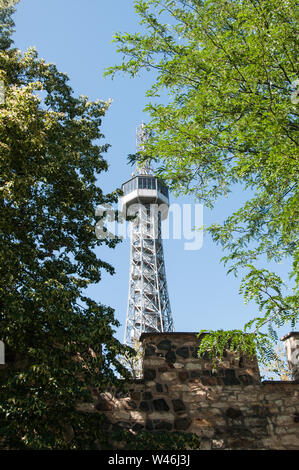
(146, 183)
(130, 186)
(162, 188)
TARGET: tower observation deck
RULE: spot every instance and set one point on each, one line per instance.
(146, 198)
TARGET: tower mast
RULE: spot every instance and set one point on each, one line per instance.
(148, 307)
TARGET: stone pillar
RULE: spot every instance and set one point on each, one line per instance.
(291, 342)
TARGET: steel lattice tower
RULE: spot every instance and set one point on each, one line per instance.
(148, 302)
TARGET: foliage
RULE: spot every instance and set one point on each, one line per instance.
(132, 360)
(6, 23)
(228, 70)
(59, 342)
(272, 361)
(277, 368)
(212, 345)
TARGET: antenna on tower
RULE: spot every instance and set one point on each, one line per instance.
(142, 135)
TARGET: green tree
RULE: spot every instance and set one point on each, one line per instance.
(133, 362)
(228, 71)
(60, 344)
(277, 369)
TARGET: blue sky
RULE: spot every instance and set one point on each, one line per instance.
(76, 35)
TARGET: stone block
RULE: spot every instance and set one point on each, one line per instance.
(150, 384)
(193, 366)
(149, 351)
(284, 421)
(164, 345)
(205, 445)
(183, 352)
(156, 415)
(168, 376)
(135, 396)
(202, 422)
(209, 380)
(144, 406)
(207, 432)
(122, 415)
(153, 362)
(161, 425)
(178, 365)
(104, 405)
(178, 405)
(182, 424)
(194, 397)
(170, 356)
(217, 443)
(137, 416)
(196, 374)
(183, 376)
(291, 441)
(149, 374)
(233, 413)
(160, 405)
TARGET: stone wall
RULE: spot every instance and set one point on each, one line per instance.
(228, 408)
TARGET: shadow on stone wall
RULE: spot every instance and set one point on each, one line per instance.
(227, 408)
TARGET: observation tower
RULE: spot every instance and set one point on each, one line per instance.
(146, 198)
